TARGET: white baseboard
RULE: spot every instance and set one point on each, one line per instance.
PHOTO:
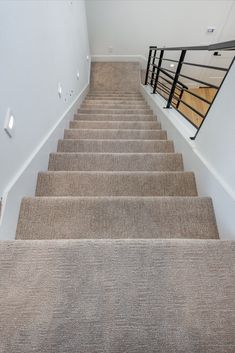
(24, 182)
(209, 183)
(120, 58)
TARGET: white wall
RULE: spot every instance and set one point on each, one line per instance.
(42, 43)
(131, 26)
(216, 139)
(211, 156)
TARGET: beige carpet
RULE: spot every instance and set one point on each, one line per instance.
(116, 253)
(133, 296)
(115, 175)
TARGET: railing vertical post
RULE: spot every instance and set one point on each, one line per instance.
(148, 65)
(177, 73)
(158, 71)
(153, 68)
(180, 97)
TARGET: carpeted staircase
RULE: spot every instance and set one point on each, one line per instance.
(116, 175)
(138, 267)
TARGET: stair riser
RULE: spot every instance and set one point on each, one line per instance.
(115, 134)
(115, 162)
(116, 111)
(112, 117)
(115, 184)
(118, 146)
(116, 218)
(114, 125)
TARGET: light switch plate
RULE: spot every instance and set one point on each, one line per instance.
(60, 91)
(9, 125)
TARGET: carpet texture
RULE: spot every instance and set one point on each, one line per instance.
(115, 175)
(116, 253)
(135, 296)
(118, 146)
(116, 217)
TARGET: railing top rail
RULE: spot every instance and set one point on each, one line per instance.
(229, 45)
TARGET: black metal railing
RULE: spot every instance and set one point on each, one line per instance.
(170, 84)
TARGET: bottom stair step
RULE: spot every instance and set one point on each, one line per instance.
(116, 217)
(135, 296)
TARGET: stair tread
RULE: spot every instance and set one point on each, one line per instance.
(116, 217)
(102, 124)
(115, 110)
(114, 117)
(115, 134)
(63, 183)
(115, 145)
(115, 161)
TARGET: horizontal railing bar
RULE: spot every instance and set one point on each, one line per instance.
(229, 45)
(162, 89)
(168, 75)
(165, 87)
(174, 103)
(187, 118)
(176, 93)
(161, 83)
(190, 107)
(163, 78)
(196, 95)
(174, 61)
(191, 122)
(167, 91)
(206, 66)
(199, 81)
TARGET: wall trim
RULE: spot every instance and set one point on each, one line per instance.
(209, 181)
(24, 181)
(120, 58)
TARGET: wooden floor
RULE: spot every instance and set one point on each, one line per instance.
(196, 103)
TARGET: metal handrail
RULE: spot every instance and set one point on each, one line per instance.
(155, 71)
(229, 45)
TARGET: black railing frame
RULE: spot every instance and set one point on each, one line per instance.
(176, 84)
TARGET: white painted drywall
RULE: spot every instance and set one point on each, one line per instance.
(211, 156)
(130, 26)
(124, 29)
(42, 43)
(216, 139)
